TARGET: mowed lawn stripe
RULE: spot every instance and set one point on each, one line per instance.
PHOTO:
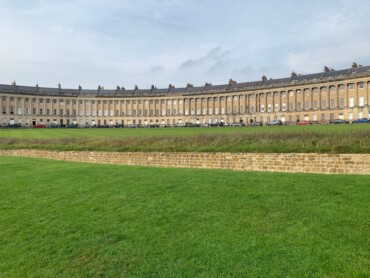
(285, 139)
(60, 219)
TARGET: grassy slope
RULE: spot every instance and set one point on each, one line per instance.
(325, 139)
(73, 220)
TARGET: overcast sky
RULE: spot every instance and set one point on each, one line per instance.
(144, 42)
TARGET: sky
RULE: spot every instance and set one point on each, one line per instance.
(157, 42)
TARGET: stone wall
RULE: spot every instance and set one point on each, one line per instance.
(262, 162)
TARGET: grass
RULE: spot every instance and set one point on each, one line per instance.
(60, 219)
(306, 139)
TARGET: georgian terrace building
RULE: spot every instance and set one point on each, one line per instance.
(316, 97)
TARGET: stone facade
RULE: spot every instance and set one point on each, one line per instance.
(261, 162)
(316, 97)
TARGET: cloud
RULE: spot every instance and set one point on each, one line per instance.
(91, 42)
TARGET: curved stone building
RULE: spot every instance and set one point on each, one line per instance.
(316, 97)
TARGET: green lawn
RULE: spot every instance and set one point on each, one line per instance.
(318, 138)
(60, 219)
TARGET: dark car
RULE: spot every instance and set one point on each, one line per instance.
(361, 121)
(72, 126)
(54, 126)
(14, 125)
(338, 121)
(216, 124)
(117, 126)
(192, 125)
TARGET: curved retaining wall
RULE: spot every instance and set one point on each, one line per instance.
(262, 162)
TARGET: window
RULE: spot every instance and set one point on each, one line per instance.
(299, 105)
(350, 86)
(361, 101)
(323, 104)
(315, 104)
(332, 103)
(351, 102)
(332, 89)
(361, 85)
(323, 89)
(307, 105)
(290, 106)
(341, 103)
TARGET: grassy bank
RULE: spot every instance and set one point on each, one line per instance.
(319, 139)
(63, 219)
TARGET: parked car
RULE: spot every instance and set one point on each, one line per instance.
(153, 125)
(14, 125)
(87, 126)
(117, 126)
(192, 125)
(256, 124)
(237, 124)
(72, 126)
(39, 126)
(338, 121)
(180, 125)
(216, 124)
(54, 125)
(165, 125)
(304, 122)
(274, 122)
(361, 121)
